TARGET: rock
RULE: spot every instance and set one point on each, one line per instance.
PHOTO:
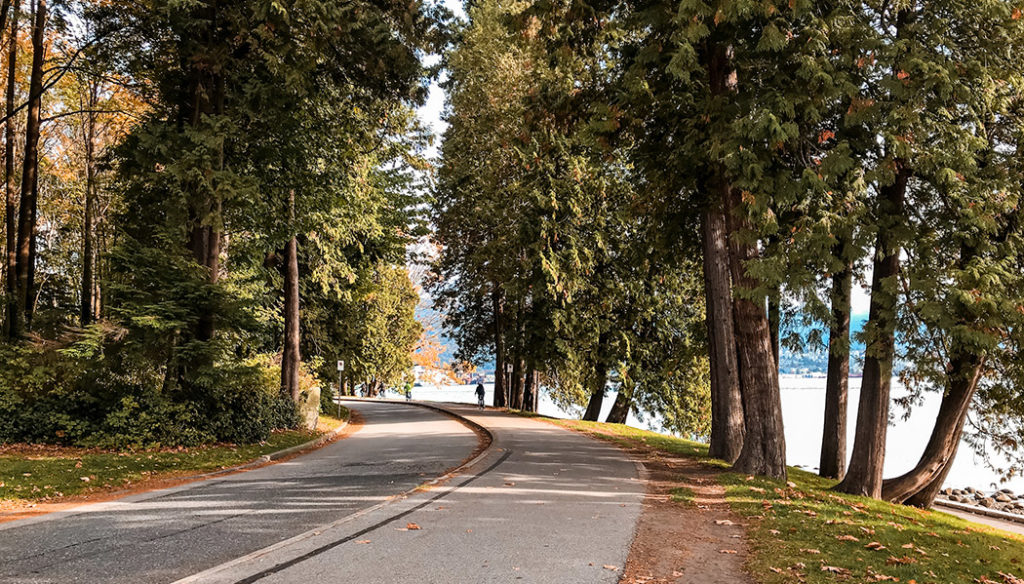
(970, 489)
(988, 502)
(955, 499)
(1006, 492)
(947, 491)
(1003, 498)
(309, 407)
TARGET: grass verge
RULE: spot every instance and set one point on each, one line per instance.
(41, 473)
(803, 532)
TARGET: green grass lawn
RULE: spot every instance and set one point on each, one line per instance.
(39, 473)
(807, 533)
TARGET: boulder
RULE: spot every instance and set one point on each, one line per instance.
(970, 490)
(988, 502)
(1003, 498)
(309, 407)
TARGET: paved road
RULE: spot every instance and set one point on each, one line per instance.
(543, 505)
(166, 535)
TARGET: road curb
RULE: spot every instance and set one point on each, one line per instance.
(261, 553)
(186, 482)
(438, 408)
(276, 455)
(982, 511)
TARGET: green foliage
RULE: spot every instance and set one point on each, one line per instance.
(537, 208)
(68, 397)
(42, 472)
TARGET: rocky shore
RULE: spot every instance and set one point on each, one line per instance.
(1002, 500)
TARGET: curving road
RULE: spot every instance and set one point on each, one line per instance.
(541, 505)
(162, 536)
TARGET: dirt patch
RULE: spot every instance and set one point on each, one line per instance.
(14, 510)
(686, 533)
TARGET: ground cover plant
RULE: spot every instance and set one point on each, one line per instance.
(801, 531)
(35, 473)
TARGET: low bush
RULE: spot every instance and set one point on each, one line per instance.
(55, 395)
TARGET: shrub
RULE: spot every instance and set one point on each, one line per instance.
(73, 396)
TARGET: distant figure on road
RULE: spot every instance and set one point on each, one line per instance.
(480, 395)
(408, 391)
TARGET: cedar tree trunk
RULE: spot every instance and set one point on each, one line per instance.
(291, 356)
(864, 477)
(27, 210)
(764, 444)
(500, 388)
(833, 438)
(10, 186)
(726, 400)
(620, 408)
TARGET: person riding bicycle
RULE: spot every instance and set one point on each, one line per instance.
(480, 395)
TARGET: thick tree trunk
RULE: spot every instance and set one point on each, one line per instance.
(764, 444)
(10, 186)
(864, 476)
(726, 401)
(28, 209)
(833, 439)
(291, 356)
(530, 388)
(925, 497)
(965, 371)
(620, 408)
(500, 387)
(774, 322)
(88, 247)
(518, 387)
(597, 388)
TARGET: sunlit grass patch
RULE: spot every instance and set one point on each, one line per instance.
(40, 473)
(801, 531)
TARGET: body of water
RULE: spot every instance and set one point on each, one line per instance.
(803, 404)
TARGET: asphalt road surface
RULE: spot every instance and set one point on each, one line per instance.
(162, 536)
(541, 505)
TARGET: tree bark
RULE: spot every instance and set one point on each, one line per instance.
(518, 387)
(598, 382)
(925, 497)
(774, 322)
(530, 388)
(28, 209)
(88, 247)
(764, 444)
(945, 436)
(500, 387)
(864, 476)
(726, 401)
(10, 226)
(291, 357)
(833, 439)
(620, 408)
